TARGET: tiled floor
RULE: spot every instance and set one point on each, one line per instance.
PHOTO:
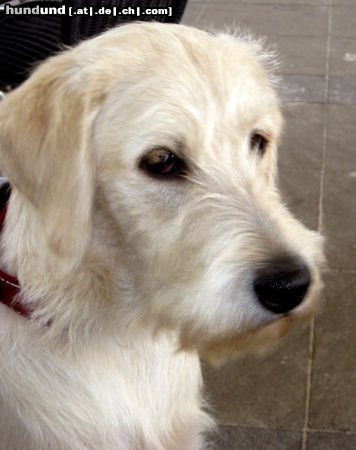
(303, 396)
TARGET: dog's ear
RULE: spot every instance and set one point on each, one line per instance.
(45, 127)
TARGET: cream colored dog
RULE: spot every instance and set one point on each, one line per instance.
(146, 231)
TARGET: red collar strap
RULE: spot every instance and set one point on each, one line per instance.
(9, 285)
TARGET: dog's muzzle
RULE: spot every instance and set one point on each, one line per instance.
(281, 284)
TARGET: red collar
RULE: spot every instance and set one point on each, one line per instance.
(9, 285)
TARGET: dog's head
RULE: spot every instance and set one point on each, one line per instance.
(158, 142)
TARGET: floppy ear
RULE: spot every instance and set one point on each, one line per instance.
(45, 152)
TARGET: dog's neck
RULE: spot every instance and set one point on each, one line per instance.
(9, 285)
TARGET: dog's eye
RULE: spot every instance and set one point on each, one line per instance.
(162, 163)
(258, 143)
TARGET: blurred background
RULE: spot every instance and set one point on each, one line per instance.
(303, 396)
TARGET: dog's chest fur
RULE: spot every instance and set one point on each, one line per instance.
(97, 399)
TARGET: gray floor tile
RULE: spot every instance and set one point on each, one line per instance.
(343, 57)
(300, 189)
(343, 21)
(343, 2)
(272, 19)
(262, 392)
(294, 59)
(341, 140)
(240, 438)
(340, 218)
(331, 441)
(302, 140)
(342, 90)
(302, 88)
(333, 391)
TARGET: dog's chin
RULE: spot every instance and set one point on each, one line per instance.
(222, 349)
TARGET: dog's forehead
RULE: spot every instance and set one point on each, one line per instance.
(188, 84)
(226, 81)
(200, 68)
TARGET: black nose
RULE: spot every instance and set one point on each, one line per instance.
(282, 284)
